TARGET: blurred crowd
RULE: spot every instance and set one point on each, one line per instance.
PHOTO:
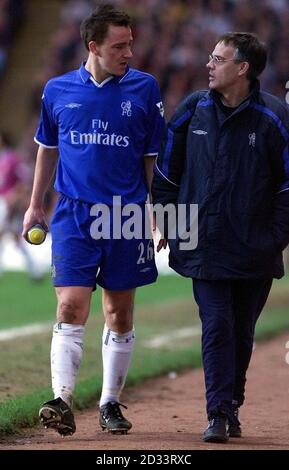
(12, 13)
(16, 174)
(172, 40)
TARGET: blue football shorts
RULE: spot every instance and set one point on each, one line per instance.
(80, 257)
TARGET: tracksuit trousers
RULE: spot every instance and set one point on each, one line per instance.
(228, 311)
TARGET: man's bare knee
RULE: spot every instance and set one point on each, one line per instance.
(119, 320)
(118, 310)
(67, 312)
(118, 324)
(73, 304)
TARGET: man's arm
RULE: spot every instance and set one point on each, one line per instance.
(149, 170)
(169, 166)
(149, 163)
(44, 170)
(280, 164)
(281, 219)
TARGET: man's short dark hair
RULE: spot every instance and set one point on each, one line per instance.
(248, 49)
(95, 26)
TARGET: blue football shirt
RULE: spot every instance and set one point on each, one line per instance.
(103, 133)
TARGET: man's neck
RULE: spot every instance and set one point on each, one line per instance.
(233, 98)
(96, 72)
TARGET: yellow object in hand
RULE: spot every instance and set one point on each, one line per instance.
(36, 235)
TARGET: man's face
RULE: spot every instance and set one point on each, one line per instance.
(115, 52)
(223, 69)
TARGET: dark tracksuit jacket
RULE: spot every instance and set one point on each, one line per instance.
(235, 165)
(237, 170)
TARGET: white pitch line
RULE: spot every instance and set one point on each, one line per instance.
(27, 330)
(155, 342)
(162, 340)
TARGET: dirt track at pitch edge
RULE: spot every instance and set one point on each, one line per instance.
(169, 414)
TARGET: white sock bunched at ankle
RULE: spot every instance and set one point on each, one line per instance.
(66, 354)
(116, 356)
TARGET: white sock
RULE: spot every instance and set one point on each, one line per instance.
(66, 354)
(116, 356)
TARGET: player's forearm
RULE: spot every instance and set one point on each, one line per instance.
(44, 171)
(149, 170)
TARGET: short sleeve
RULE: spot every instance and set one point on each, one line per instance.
(156, 122)
(47, 132)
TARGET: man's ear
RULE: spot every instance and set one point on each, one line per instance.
(243, 68)
(93, 48)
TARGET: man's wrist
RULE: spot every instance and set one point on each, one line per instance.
(36, 205)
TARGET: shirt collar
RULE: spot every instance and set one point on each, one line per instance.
(86, 76)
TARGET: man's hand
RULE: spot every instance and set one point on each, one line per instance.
(162, 243)
(32, 217)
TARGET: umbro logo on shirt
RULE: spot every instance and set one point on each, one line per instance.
(145, 270)
(200, 132)
(73, 105)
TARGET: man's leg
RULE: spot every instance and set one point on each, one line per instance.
(214, 299)
(66, 353)
(117, 346)
(249, 298)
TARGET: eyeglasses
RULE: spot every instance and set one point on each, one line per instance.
(217, 60)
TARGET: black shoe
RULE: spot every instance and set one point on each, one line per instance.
(217, 430)
(235, 426)
(112, 419)
(57, 415)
